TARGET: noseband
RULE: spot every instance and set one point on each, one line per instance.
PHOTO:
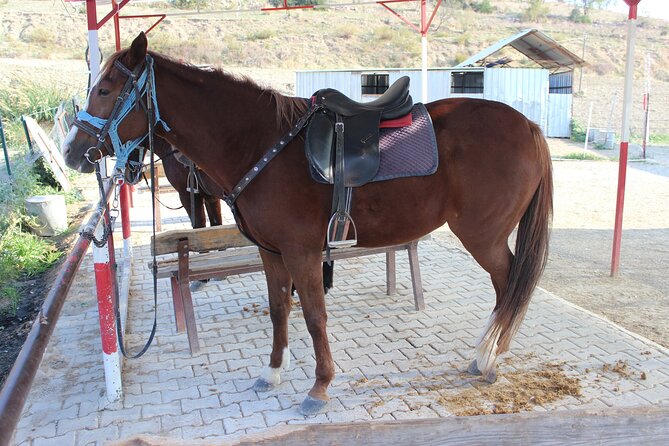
(140, 83)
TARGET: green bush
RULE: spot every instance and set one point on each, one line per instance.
(190, 4)
(577, 17)
(483, 7)
(577, 131)
(535, 12)
(262, 34)
(22, 254)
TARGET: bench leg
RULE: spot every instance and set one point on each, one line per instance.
(187, 299)
(189, 314)
(177, 301)
(415, 276)
(390, 272)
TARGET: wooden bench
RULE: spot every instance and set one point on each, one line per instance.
(222, 251)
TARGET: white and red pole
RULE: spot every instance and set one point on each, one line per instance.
(625, 134)
(105, 282)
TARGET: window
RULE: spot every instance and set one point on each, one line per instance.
(560, 83)
(467, 82)
(374, 83)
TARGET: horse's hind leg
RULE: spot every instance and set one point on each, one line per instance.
(308, 277)
(213, 205)
(280, 302)
(496, 260)
(198, 220)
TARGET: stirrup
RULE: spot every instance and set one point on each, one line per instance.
(338, 230)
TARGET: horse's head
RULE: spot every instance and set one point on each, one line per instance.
(114, 116)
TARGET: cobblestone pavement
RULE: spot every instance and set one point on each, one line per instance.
(392, 363)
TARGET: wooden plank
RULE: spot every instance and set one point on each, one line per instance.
(49, 152)
(615, 426)
(202, 239)
(234, 257)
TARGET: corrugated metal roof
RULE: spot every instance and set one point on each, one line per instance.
(537, 46)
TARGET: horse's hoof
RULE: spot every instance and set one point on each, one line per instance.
(311, 406)
(491, 377)
(473, 369)
(262, 385)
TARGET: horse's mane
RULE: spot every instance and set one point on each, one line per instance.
(288, 109)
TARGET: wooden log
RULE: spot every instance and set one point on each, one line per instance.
(615, 426)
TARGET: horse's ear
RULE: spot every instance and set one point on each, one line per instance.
(137, 51)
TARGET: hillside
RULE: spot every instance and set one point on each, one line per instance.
(269, 47)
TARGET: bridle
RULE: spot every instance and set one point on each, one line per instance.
(137, 90)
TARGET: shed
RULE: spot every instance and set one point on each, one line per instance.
(539, 85)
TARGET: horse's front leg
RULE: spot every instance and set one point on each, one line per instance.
(280, 302)
(308, 276)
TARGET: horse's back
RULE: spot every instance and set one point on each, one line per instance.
(492, 159)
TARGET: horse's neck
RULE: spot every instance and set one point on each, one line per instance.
(223, 128)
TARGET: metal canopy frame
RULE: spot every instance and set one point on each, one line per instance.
(536, 46)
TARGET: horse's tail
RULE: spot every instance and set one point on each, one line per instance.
(529, 259)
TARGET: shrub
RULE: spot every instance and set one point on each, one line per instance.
(535, 12)
(261, 34)
(577, 131)
(577, 17)
(483, 7)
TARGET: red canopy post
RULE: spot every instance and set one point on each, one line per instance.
(624, 139)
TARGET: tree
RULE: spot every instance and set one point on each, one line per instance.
(587, 5)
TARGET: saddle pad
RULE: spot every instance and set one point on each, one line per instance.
(408, 151)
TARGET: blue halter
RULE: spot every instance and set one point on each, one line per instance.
(132, 95)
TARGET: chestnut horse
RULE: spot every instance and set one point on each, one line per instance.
(494, 174)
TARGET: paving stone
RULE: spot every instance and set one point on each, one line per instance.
(385, 353)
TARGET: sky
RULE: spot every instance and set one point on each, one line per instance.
(653, 8)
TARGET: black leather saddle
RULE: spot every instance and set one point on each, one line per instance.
(361, 122)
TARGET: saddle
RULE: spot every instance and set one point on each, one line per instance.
(342, 146)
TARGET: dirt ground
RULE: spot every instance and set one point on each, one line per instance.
(579, 264)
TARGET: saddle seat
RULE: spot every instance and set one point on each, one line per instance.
(361, 122)
(394, 103)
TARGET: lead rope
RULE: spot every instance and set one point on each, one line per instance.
(154, 267)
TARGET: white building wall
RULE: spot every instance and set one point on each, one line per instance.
(559, 115)
(525, 89)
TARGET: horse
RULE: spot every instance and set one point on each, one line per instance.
(494, 174)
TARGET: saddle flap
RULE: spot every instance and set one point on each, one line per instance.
(361, 147)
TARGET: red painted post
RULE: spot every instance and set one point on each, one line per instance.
(624, 140)
(105, 283)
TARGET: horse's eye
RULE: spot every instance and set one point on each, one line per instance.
(103, 92)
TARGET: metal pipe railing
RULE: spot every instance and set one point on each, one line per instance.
(19, 381)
